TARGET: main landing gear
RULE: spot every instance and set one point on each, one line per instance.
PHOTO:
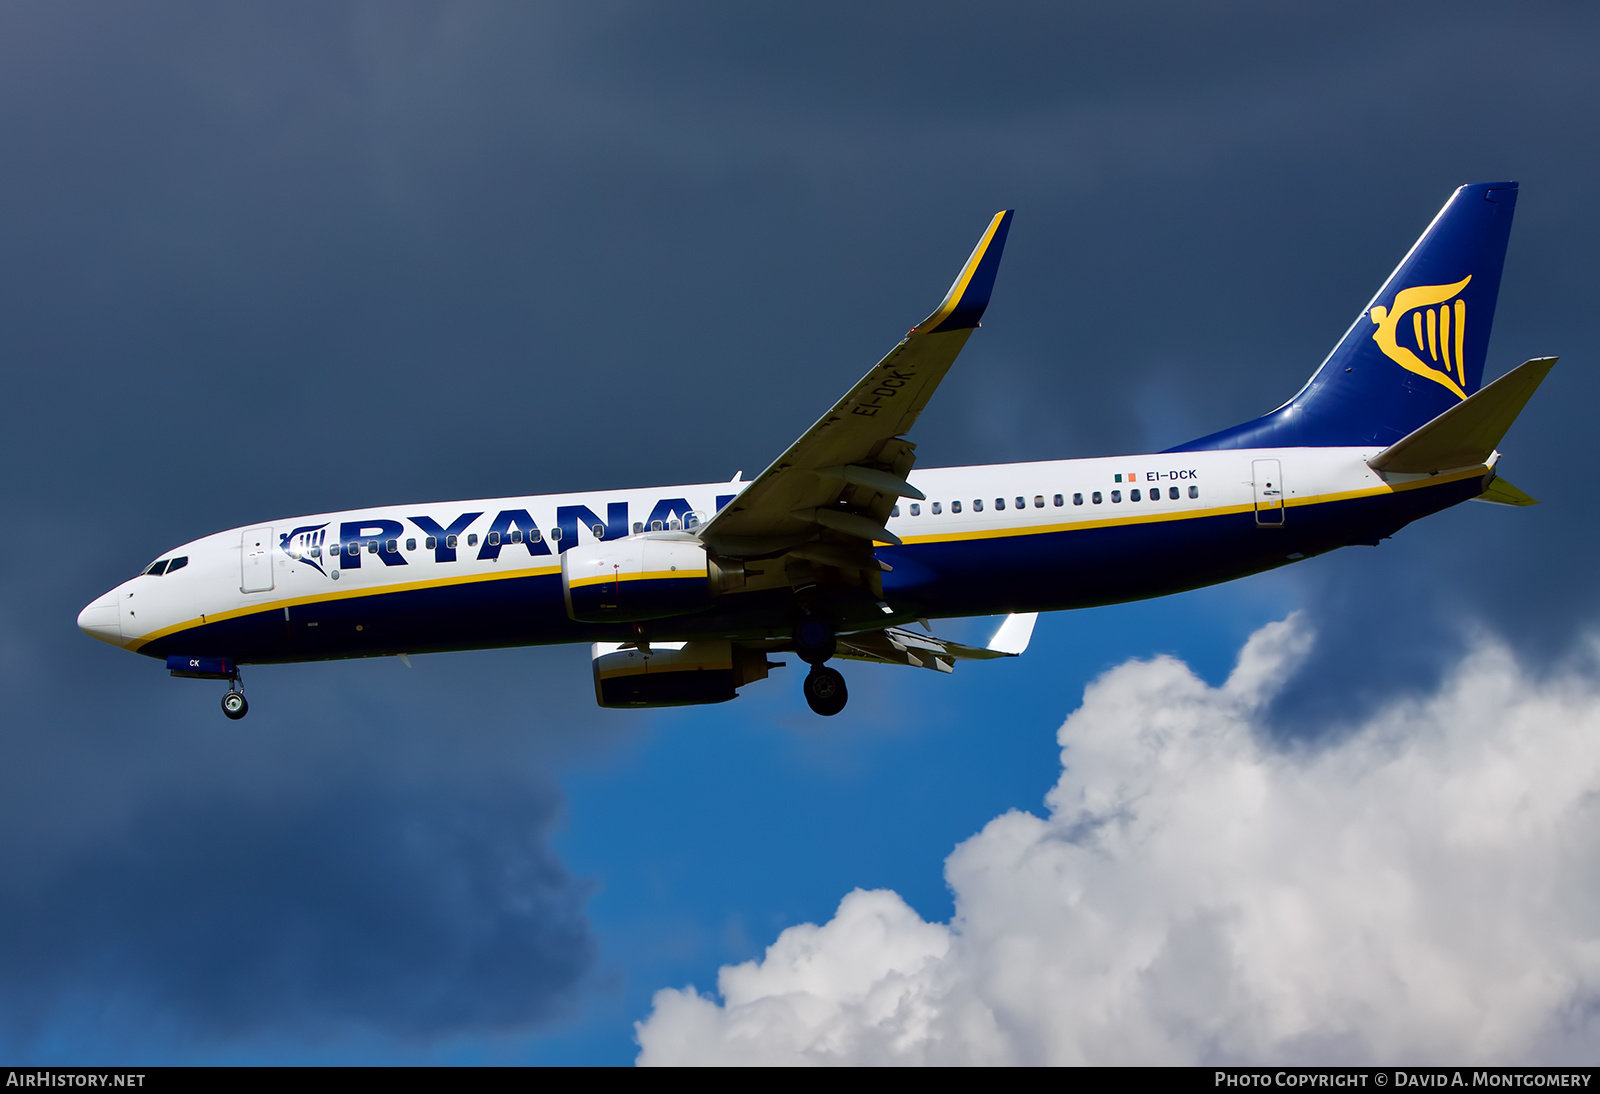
(234, 704)
(815, 642)
(825, 690)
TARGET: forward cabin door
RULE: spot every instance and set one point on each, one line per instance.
(1267, 477)
(255, 561)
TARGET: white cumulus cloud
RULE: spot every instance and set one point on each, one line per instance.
(1427, 888)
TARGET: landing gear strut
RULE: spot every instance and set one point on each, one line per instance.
(815, 642)
(234, 704)
(825, 690)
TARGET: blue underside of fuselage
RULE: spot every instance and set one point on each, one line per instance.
(1042, 572)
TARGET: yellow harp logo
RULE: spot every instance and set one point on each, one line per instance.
(1438, 330)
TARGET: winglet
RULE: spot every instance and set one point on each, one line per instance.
(1013, 636)
(964, 304)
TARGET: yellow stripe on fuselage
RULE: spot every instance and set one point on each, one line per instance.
(653, 575)
(340, 594)
(951, 537)
(1188, 514)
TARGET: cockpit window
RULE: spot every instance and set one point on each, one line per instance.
(177, 564)
(157, 568)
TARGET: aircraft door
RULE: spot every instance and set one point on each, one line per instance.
(255, 561)
(1267, 479)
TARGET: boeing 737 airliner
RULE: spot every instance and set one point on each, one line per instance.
(839, 546)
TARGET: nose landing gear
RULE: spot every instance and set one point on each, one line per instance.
(234, 704)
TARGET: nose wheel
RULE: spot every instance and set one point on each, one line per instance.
(234, 704)
(825, 691)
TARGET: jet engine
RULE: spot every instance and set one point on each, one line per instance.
(673, 674)
(640, 577)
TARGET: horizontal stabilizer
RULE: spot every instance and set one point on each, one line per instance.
(1501, 492)
(1466, 435)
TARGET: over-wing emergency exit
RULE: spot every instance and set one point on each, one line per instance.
(843, 550)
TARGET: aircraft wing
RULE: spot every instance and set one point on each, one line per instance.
(839, 481)
(899, 646)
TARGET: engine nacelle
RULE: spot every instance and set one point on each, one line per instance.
(641, 577)
(673, 674)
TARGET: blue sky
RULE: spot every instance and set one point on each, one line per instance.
(271, 259)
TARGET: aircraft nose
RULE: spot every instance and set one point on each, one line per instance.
(100, 620)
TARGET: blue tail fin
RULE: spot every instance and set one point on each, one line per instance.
(1415, 351)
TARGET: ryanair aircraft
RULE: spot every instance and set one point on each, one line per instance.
(836, 549)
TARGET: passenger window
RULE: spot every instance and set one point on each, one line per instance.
(638, 526)
(977, 505)
(391, 546)
(937, 508)
(472, 539)
(1038, 501)
(515, 535)
(372, 546)
(411, 545)
(1095, 497)
(655, 526)
(494, 539)
(1194, 491)
(432, 543)
(555, 533)
(1133, 495)
(316, 552)
(156, 568)
(352, 548)
(895, 512)
(534, 536)
(672, 526)
(999, 503)
(916, 510)
(1172, 493)
(1077, 499)
(1060, 501)
(955, 507)
(450, 542)
(1116, 496)
(1022, 503)
(691, 521)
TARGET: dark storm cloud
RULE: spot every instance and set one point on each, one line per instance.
(408, 911)
(373, 857)
(276, 259)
